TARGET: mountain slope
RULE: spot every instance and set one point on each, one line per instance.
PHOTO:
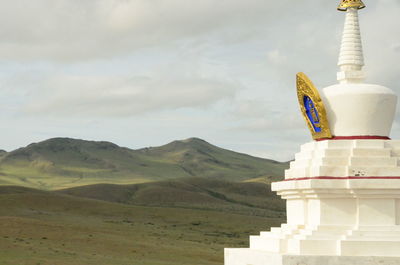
(63, 162)
(199, 158)
(194, 193)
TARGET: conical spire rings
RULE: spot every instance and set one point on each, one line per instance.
(351, 59)
(345, 4)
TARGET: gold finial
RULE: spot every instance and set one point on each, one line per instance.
(345, 4)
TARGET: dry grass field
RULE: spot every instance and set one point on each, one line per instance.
(48, 228)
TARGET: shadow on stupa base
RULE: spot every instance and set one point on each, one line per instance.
(246, 256)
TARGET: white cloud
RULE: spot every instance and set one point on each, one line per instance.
(232, 62)
(276, 57)
(381, 39)
(71, 30)
(71, 95)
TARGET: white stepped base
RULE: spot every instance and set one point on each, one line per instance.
(335, 218)
(357, 217)
(330, 240)
(248, 256)
(346, 158)
(343, 208)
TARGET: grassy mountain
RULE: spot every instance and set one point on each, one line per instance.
(193, 193)
(63, 162)
(48, 227)
(184, 197)
(199, 158)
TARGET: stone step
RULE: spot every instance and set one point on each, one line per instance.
(370, 248)
(373, 161)
(371, 152)
(375, 234)
(312, 247)
(324, 233)
(382, 228)
(326, 237)
(268, 244)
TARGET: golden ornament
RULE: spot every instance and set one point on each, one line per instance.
(345, 4)
(312, 108)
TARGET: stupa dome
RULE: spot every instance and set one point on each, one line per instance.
(357, 109)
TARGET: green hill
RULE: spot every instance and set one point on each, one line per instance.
(63, 162)
(47, 227)
(193, 193)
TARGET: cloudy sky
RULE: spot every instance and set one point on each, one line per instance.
(145, 72)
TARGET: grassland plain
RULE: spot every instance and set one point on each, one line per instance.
(182, 203)
(53, 228)
(62, 163)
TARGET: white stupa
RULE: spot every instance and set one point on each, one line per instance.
(343, 189)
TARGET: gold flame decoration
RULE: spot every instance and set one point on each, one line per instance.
(317, 121)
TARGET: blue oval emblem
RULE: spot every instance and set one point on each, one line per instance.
(312, 113)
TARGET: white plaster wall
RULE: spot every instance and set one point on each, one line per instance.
(397, 205)
(295, 211)
(313, 213)
(374, 211)
(338, 211)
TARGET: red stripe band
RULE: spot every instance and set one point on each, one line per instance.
(357, 137)
(342, 178)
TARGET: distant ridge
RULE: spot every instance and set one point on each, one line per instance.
(64, 162)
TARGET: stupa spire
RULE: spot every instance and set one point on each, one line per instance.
(351, 58)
